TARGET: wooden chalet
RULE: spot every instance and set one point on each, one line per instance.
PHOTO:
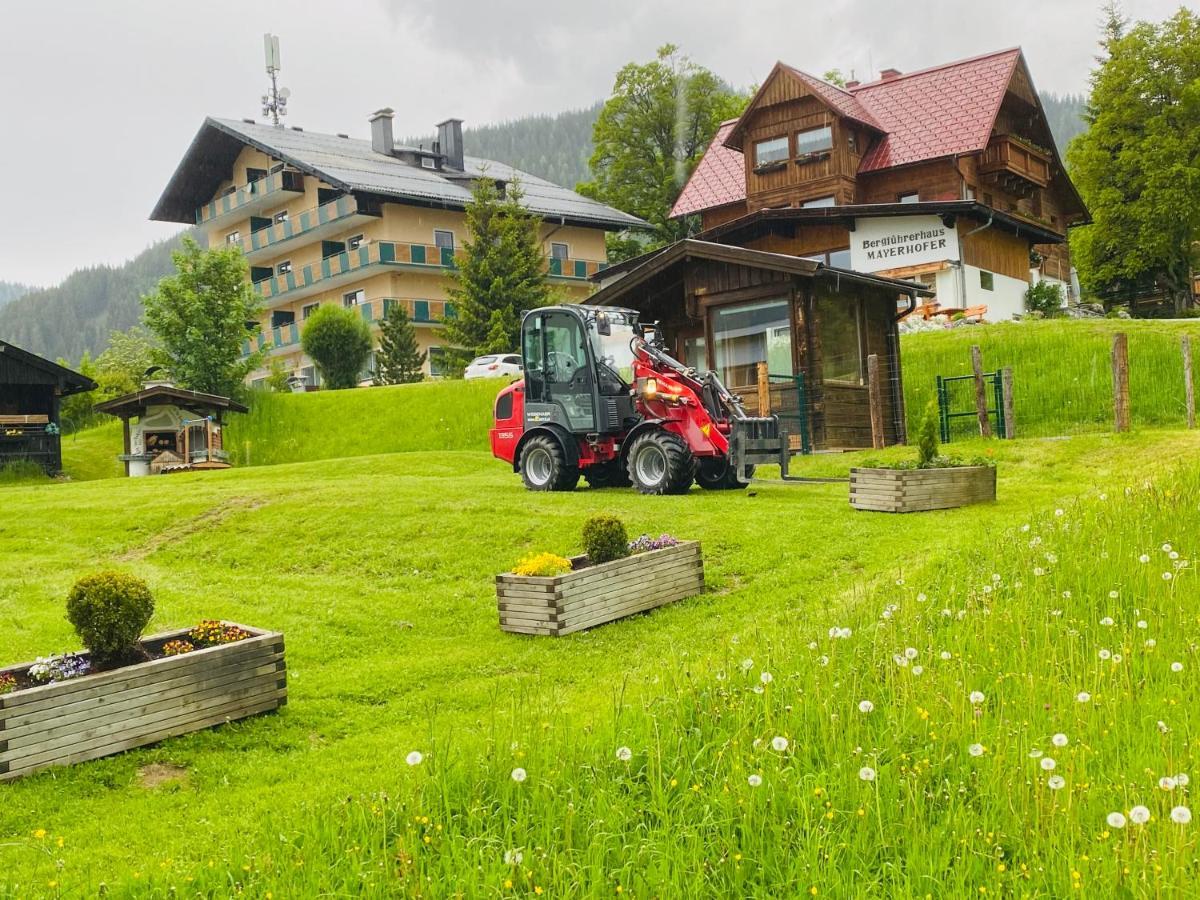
(31, 392)
(176, 429)
(730, 309)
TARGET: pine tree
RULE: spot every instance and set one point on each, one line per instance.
(398, 361)
(501, 276)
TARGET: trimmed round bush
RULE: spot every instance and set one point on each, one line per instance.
(604, 539)
(109, 611)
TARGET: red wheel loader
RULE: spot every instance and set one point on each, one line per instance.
(601, 398)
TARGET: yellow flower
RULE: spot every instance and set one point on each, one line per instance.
(40, 833)
(1001, 867)
(537, 889)
(813, 890)
(507, 883)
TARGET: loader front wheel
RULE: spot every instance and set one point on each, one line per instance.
(660, 462)
(544, 466)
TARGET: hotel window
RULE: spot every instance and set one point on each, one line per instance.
(750, 333)
(353, 243)
(437, 361)
(308, 309)
(819, 203)
(353, 298)
(770, 151)
(428, 162)
(234, 237)
(253, 175)
(840, 319)
(284, 267)
(559, 251)
(280, 217)
(987, 281)
(814, 140)
(910, 197)
(443, 240)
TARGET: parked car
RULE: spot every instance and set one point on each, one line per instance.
(494, 366)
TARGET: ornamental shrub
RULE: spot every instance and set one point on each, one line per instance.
(604, 539)
(109, 611)
(542, 565)
(1044, 297)
(927, 437)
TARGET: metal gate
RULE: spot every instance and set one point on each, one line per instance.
(992, 387)
(791, 405)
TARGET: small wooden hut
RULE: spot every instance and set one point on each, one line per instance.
(176, 429)
(31, 391)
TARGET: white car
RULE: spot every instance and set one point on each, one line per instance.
(499, 365)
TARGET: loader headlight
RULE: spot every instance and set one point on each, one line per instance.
(650, 388)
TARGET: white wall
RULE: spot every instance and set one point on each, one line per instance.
(960, 287)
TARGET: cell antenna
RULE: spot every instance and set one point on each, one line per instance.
(274, 103)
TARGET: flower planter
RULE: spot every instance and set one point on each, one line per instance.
(592, 595)
(98, 715)
(914, 490)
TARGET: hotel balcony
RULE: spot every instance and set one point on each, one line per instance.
(377, 256)
(334, 217)
(285, 338)
(275, 188)
(1014, 165)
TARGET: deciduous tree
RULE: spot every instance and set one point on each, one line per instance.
(338, 341)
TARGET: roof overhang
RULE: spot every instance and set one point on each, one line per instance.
(137, 403)
(68, 381)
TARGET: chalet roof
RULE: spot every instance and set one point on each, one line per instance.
(137, 403)
(67, 380)
(350, 164)
(657, 262)
(928, 114)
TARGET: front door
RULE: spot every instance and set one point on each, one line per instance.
(559, 376)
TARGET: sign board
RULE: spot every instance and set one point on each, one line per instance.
(893, 243)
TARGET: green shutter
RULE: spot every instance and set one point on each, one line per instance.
(420, 310)
(418, 253)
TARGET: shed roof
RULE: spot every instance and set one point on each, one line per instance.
(68, 380)
(136, 404)
(350, 164)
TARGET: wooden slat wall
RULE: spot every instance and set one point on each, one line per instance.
(994, 250)
(936, 180)
(916, 490)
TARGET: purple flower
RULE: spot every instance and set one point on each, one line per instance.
(645, 543)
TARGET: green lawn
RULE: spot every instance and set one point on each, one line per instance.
(379, 570)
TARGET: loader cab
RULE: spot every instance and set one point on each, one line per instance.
(579, 368)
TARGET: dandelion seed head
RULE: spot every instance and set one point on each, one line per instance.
(1176, 667)
(754, 780)
(977, 697)
(866, 773)
(975, 749)
(1139, 815)
(1181, 815)
(766, 677)
(1059, 740)
(519, 774)
(1083, 696)
(414, 758)
(865, 706)
(779, 742)
(1056, 782)
(1115, 820)
(624, 754)
(1167, 783)
(1047, 763)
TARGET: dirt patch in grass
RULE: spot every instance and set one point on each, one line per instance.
(206, 520)
(157, 774)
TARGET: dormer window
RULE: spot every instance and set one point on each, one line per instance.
(770, 151)
(812, 141)
(428, 162)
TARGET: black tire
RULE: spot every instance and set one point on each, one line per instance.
(716, 474)
(606, 475)
(659, 462)
(544, 466)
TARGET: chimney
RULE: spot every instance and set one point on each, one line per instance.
(889, 74)
(381, 131)
(451, 143)
(851, 85)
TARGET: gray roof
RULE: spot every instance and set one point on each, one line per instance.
(351, 165)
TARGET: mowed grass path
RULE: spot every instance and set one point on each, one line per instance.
(379, 570)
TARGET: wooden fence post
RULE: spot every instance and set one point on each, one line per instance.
(981, 410)
(764, 390)
(1006, 391)
(875, 399)
(1120, 367)
(1189, 392)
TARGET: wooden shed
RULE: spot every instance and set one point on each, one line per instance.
(31, 392)
(176, 429)
(730, 309)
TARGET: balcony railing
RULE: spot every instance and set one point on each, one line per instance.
(335, 214)
(316, 277)
(420, 312)
(252, 197)
(1015, 165)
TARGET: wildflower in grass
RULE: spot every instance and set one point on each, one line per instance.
(865, 706)
(1167, 783)
(1105, 653)
(519, 774)
(946, 654)
(1144, 558)
(910, 652)
(822, 660)
(779, 743)
(1115, 820)
(766, 677)
(1181, 815)
(1047, 763)
(1059, 740)
(414, 758)
(899, 660)
(1162, 726)
(1056, 782)
(1151, 643)
(1167, 576)
(866, 773)
(977, 697)
(1106, 621)
(1113, 595)
(754, 780)
(917, 670)
(747, 664)
(513, 857)
(1083, 696)
(1142, 624)
(624, 754)
(1035, 753)
(1182, 780)
(975, 749)
(1139, 815)
(1176, 667)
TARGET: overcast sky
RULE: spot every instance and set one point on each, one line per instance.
(98, 100)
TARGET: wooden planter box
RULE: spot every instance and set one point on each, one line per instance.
(913, 490)
(593, 595)
(98, 715)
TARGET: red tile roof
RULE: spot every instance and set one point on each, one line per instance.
(924, 115)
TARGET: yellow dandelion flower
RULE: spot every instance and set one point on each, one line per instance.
(40, 833)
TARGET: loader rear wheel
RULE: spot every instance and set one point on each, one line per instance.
(606, 475)
(716, 474)
(659, 462)
(544, 466)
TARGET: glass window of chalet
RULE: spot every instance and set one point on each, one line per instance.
(840, 258)
(819, 202)
(747, 334)
(814, 140)
(839, 319)
(443, 240)
(910, 197)
(770, 151)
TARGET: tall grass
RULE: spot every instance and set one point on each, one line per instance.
(1062, 372)
(991, 728)
(448, 415)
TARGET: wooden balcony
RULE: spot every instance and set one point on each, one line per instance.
(1014, 166)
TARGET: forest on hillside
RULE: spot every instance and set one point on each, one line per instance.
(11, 290)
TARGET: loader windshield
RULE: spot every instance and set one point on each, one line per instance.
(613, 351)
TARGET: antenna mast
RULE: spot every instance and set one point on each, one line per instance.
(274, 104)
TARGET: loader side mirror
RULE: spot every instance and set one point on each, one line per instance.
(603, 325)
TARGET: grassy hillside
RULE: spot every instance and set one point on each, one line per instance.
(379, 569)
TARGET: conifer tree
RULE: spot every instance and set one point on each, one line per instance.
(398, 360)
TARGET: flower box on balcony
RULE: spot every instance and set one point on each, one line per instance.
(591, 595)
(111, 711)
(915, 490)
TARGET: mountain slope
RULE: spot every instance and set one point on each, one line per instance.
(10, 290)
(1065, 115)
